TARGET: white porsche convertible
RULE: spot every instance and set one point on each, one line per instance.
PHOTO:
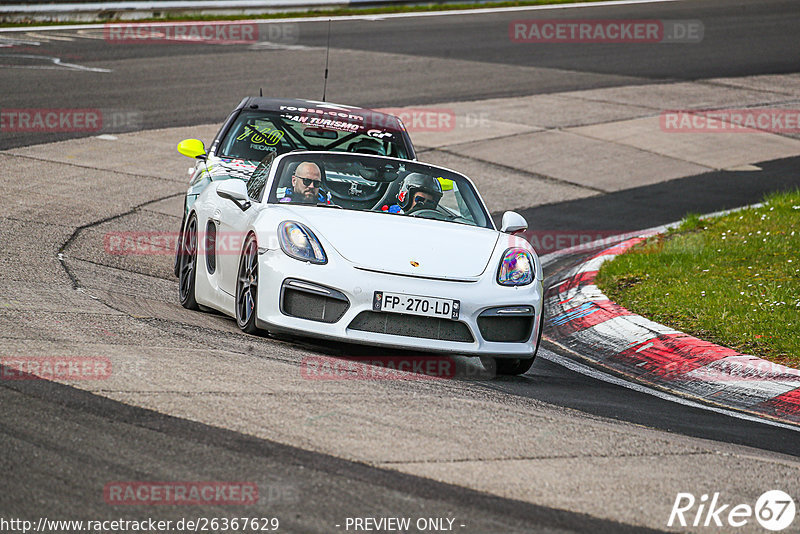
(365, 249)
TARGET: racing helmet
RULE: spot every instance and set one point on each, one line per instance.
(368, 146)
(414, 183)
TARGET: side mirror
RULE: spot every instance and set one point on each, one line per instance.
(234, 190)
(513, 222)
(192, 148)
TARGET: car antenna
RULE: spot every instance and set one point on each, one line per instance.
(260, 91)
(327, 54)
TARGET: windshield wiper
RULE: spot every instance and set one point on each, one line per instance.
(323, 205)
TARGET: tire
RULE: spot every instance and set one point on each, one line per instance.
(514, 366)
(247, 287)
(507, 366)
(177, 266)
(187, 265)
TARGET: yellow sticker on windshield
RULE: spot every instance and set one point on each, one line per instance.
(263, 135)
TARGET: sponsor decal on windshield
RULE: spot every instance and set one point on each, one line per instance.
(379, 134)
(261, 135)
(321, 122)
(377, 123)
(324, 112)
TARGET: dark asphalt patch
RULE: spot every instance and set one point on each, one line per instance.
(666, 202)
(62, 445)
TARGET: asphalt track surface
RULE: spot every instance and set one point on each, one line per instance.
(178, 85)
(92, 440)
(88, 440)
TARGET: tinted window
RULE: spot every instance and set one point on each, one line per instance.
(256, 134)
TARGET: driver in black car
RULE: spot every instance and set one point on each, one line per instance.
(418, 192)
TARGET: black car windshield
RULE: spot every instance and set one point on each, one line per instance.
(256, 133)
(382, 185)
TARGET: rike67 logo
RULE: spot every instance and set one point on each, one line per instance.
(774, 510)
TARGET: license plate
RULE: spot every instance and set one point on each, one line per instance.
(416, 305)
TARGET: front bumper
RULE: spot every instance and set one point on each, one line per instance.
(358, 287)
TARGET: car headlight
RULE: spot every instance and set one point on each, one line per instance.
(300, 243)
(516, 268)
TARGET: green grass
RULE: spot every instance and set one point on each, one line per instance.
(732, 280)
(337, 12)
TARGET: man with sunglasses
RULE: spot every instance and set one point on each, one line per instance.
(305, 188)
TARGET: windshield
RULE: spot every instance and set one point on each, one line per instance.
(254, 134)
(368, 183)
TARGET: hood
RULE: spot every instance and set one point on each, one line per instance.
(390, 243)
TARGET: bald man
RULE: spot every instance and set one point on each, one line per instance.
(305, 188)
(305, 182)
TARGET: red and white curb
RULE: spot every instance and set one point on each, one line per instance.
(583, 319)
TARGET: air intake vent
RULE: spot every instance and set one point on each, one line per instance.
(510, 324)
(312, 301)
(412, 326)
(211, 247)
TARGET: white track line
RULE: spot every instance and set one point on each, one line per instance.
(57, 63)
(50, 37)
(591, 372)
(373, 17)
